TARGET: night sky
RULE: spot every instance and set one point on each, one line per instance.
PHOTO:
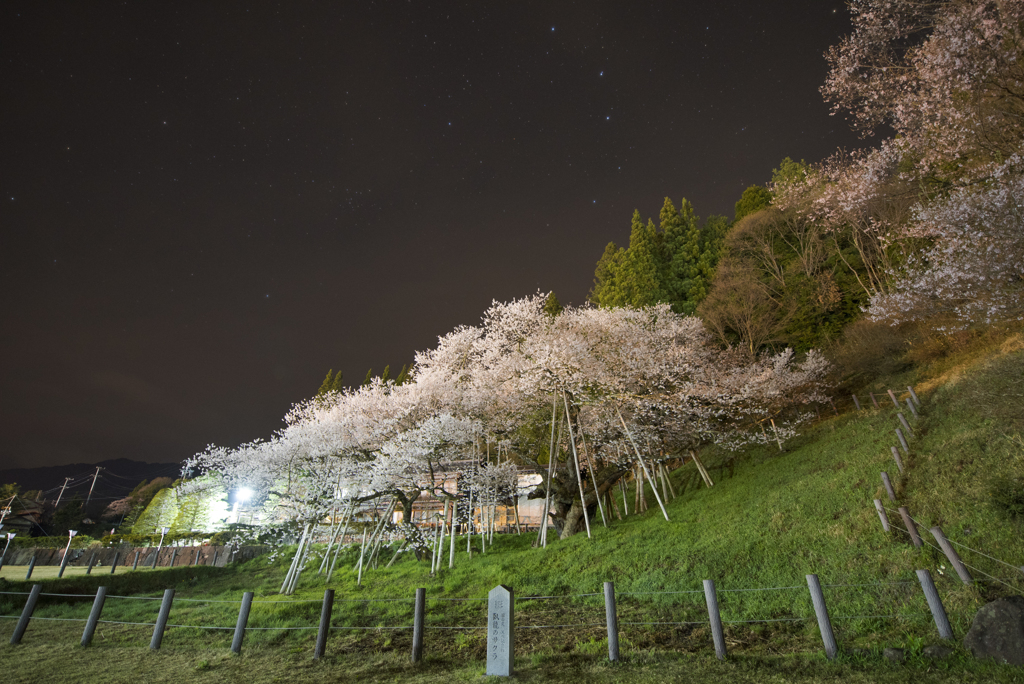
(206, 207)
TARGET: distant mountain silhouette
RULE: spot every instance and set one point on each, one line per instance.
(117, 479)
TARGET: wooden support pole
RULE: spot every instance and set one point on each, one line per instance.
(873, 400)
(952, 555)
(576, 461)
(113, 566)
(888, 486)
(913, 395)
(362, 552)
(935, 604)
(92, 562)
(908, 522)
(135, 565)
(881, 515)
(31, 567)
(543, 532)
(643, 465)
(94, 615)
(711, 598)
(324, 628)
(611, 619)
(243, 620)
(821, 612)
(856, 402)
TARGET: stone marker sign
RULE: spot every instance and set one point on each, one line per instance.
(500, 641)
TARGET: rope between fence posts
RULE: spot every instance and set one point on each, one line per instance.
(732, 622)
(137, 598)
(260, 629)
(43, 593)
(965, 546)
(59, 619)
(22, 593)
(866, 617)
(704, 622)
(178, 600)
(595, 624)
(535, 598)
(873, 584)
(722, 591)
(200, 627)
(467, 628)
(996, 579)
(118, 622)
(409, 627)
(965, 564)
(650, 593)
(437, 598)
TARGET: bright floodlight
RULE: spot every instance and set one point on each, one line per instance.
(243, 494)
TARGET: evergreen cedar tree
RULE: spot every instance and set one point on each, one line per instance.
(672, 263)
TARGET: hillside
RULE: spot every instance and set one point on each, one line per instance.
(778, 517)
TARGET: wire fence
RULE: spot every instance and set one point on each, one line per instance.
(434, 619)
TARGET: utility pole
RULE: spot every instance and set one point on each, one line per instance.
(95, 475)
(62, 488)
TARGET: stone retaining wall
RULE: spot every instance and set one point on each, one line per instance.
(183, 555)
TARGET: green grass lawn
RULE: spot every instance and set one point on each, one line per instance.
(780, 516)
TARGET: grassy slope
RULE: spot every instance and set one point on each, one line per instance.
(781, 516)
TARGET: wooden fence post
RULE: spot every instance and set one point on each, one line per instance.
(243, 620)
(856, 402)
(113, 566)
(611, 617)
(711, 598)
(419, 608)
(888, 486)
(913, 409)
(908, 522)
(895, 401)
(26, 613)
(174, 554)
(873, 400)
(913, 395)
(64, 561)
(935, 604)
(325, 625)
(135, 565)
(881, 515)
(31, 567)
(906, 425)
(92, 561)
(94, 615)
(952, 555)
(161, 619)
(821, 612)
(903, 441)
(896, 457)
